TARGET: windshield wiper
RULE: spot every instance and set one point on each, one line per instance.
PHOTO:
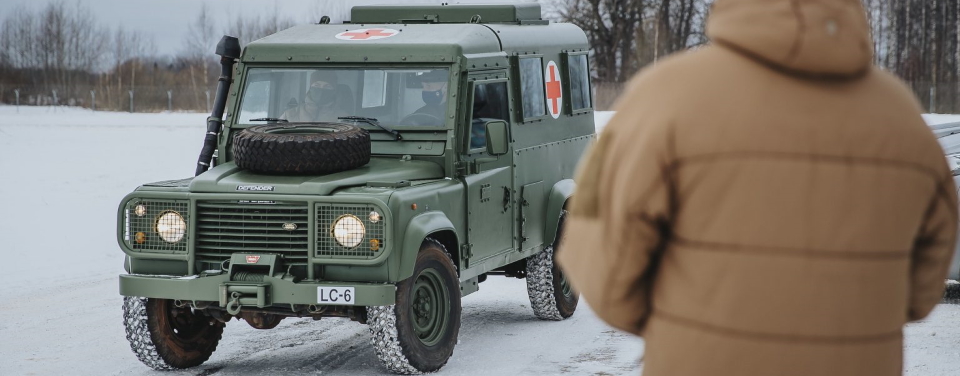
(374, 122)
(271, 120)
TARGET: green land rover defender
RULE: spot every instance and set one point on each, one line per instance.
(378, 170)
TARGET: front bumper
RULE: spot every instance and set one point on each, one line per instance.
(268, 292)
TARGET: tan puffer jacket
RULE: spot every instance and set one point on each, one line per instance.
(771, 204)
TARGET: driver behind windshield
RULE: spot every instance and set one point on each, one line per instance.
(434, 94)
(320, 101)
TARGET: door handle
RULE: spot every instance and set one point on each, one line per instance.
(506, 199)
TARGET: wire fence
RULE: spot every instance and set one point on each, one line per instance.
(935, 97)
(112, 98)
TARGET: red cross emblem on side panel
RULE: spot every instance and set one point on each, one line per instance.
(552, 84)
(367, 34)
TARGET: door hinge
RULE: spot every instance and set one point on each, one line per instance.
(466, 250)
(461, 167)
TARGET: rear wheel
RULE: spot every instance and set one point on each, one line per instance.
(419, 332)
(165, 337)
(551, 296)
(951, 294)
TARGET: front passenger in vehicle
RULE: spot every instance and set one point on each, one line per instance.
(320, 103)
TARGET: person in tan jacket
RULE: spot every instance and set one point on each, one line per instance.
(770, 204)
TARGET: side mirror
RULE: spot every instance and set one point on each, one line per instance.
(497, 140)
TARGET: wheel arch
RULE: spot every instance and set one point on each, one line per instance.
(556, 203)
(434, 225)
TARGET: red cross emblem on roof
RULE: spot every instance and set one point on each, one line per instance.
(367, 34)
(553, 87)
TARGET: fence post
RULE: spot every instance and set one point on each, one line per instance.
(208, 100)
(56, 101)
(131, 100)
(16, 93)
(93, 99)
(933, 100)
(169, 100)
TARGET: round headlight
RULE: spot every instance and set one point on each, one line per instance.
(348, 230)
(171, 227)
(140, 210)
(375, 217)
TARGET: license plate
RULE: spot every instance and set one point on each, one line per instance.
(336, 295)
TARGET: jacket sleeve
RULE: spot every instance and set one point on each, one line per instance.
(930, 259)
(618, 220)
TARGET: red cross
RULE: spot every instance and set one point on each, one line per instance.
(367, 34)
(553, 90)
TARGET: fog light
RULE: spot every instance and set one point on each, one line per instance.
(140, 210)
(374, 245)
(140, 238)
(375, 217)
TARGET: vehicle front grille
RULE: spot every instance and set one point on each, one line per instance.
(225, 227)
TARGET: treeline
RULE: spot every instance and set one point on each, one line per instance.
(62, 54)
(918, 40)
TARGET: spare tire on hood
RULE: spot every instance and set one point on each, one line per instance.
(301, 149)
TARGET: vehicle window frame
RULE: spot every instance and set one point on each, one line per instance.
(568, 104)
(468, 133)
(239, 87)
(518, 86)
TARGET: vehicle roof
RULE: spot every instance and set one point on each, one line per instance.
(438, 42)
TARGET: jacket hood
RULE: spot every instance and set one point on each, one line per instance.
(808, 37)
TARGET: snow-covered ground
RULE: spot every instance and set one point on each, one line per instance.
(934, 119)
(62, 174)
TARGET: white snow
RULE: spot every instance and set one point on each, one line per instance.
(934, 119)
(62, 174)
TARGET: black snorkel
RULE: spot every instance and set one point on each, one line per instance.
(229, 51)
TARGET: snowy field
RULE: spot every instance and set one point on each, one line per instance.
(62, 175)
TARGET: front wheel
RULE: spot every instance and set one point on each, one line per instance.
(165, 337)
(551, 296)
(419, 332)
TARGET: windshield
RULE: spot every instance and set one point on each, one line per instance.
(397, 97)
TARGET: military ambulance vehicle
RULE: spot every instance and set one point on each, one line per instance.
(377, 170)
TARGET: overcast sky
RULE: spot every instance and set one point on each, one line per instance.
(166, 20)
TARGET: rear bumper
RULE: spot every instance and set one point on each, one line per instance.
(270, 291)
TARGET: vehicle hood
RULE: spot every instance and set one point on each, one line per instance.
(819, 38)
(228, 178)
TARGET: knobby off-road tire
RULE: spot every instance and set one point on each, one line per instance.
(951, 293)
(300, 149)
(418, 333)
(551, 297)
(164, 342)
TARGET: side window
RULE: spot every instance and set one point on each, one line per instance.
(579, 82)
(531, 87)
(489, 103)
